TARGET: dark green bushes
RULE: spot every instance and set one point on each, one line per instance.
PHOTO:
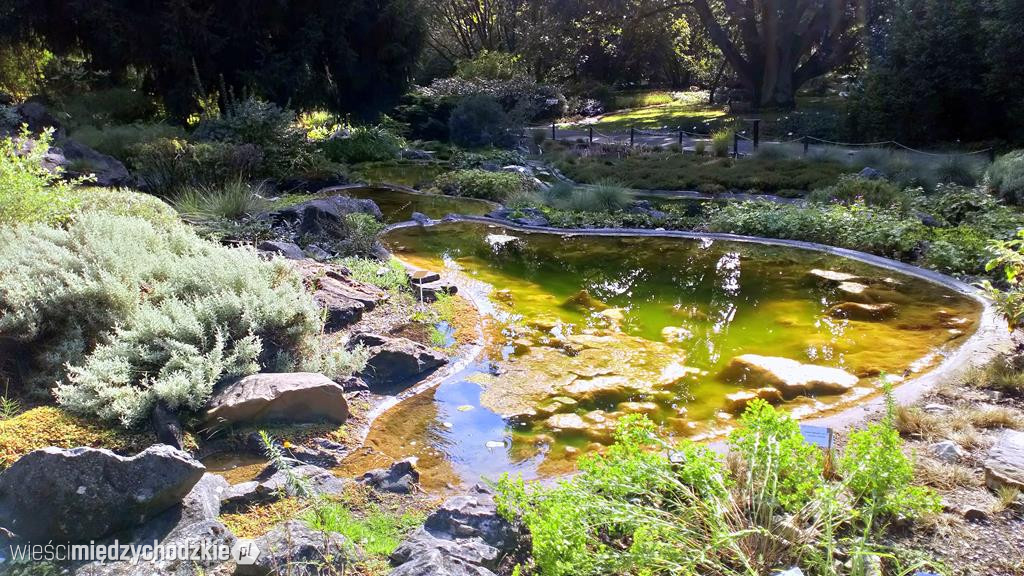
(478, 121)
(167, 167)
(1006, 177)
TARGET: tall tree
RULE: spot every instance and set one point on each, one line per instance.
(776, 46)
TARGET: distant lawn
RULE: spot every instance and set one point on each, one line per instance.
(673, 171)
(818, 116)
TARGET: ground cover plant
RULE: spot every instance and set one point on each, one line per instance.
(647, 506)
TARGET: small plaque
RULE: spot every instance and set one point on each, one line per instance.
(817, 435)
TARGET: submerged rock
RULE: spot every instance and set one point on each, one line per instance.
(583, 300)
(88, 493)
(1005, 463)
(789, 377)
(736, 402)
(289, 397)
(834, 276)
(863, 312)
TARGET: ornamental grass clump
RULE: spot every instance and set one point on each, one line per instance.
(115, 314)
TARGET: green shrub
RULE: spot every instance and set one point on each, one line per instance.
(852, 188)
(479, 120)
(124, 202)
(606, 196)
(1008, 260)
(957, 170)
(721, 141)
(959, 204)
(775, 453)
(364, 144)
(465, 160)
(232, 201)
(495, 186)
(271, 129)
(378, 533)
(358, 236)
(1006, 177)
(168, 167)
(28, 191)
(117, 140)
(390, 275)
(122, 314)
(700, 147)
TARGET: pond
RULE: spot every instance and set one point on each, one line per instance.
(398, 206)
(583, 330)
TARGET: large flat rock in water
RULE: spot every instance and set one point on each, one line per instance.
(1005, 463)
(789, 377)
(291, 397)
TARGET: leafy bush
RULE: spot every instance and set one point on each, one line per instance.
(959, 204)
(1009, 294)
(495, 186)
(720, 142)
(118, 139)
(495, 156)
(233, 201)
(122, 314)
(491, 65)
(364, 144)
(852, 188)
(167, 167)
(29, 192)
(390, 275)
(956, 170)
(1006, 177)
(876, 230)
(358, 236)
(479, 120)
(606, 196)
(271, 129)
(124, 202)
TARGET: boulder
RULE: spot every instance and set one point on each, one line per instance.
(429, 292)
(289, 250)
(272, 485)
(400, 478)
(107, 170)
(295, 549)
(863, 312)
(322, 216)
(291, 397)
(166, 426)
(192, 521)
(420, 218)
(37, 117)
(88, 493)
(419, 277)
(395, 360)
(1005, 463)
(466, 536)
(869, 173)
(946, 451)
(736, 402)
(416, 154)
(343, 298)
(789, 377)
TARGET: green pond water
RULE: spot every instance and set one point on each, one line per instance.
(582, 330)
(398, 206)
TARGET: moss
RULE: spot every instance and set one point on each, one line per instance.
(50, 426)
(257, 520)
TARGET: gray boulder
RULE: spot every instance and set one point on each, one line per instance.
(396, 360)
(465, 537)
(323, 215)
(869, 173)
(1005, 463)
(88, 493)
(273, 485)
(289, 250)
(946, 451)
(400, 478)
(295, 549)
(344, 299)
(108, 171)
(290, 397)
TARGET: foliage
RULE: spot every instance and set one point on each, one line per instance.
(721, 141)
(166, 167)
(605, 196)
(359, 235)
(495, 186)
(124, 202)
(29, 192)
(364, 144)
(851, 188)
(479, 120)
(232, 201)
(123, 314)
(118, 139)
(775, 453)
(263, 125)
(956, 170)
(354, 57)
(491, 66)
(647, 507)
(464, 159)
(390, 275)
(1006, 177)
(1009, 298)
(667, 171)
(377, 533)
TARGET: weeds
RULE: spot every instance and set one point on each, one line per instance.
(232, 201)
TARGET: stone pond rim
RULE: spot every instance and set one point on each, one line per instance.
(990, 334)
